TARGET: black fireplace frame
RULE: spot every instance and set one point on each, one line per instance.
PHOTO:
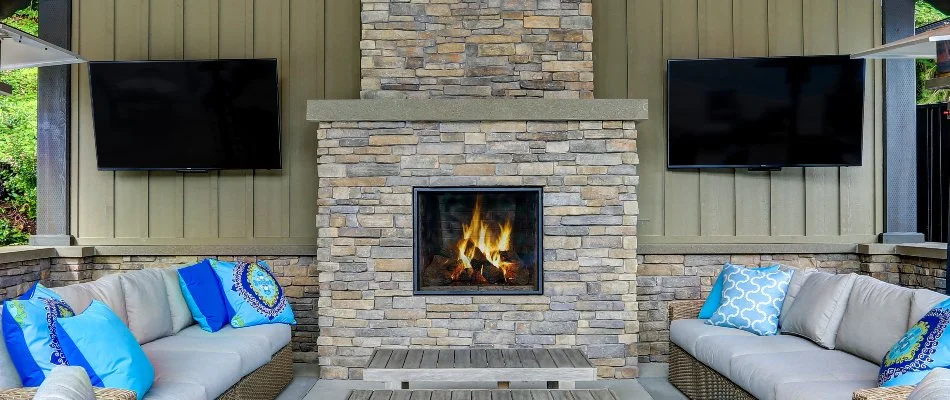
(417, 269)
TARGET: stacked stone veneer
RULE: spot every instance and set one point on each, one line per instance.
(367, 172)
(477, 48)
(664, 278)
(298, 276)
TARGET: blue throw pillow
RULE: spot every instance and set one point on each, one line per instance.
(100, 343)
(751, 299)
(924, 347)
(253, 293)
(38, 291)
(202, 292)
(715, 295)
(31, 337)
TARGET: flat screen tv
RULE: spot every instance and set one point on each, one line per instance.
(765, 113)
(186, 115)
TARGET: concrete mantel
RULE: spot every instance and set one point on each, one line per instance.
(379, 110)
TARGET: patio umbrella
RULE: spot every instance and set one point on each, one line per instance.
(930, 44)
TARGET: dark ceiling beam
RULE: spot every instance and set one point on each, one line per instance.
(942, 5)
(9, 7)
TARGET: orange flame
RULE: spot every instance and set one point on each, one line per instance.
(477, 236)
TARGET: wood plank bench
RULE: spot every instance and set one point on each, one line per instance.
(560, 368)
(483, 394)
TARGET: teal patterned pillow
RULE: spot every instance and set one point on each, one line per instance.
(923, 348)
(751, 299)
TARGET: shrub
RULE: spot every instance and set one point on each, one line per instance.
(18, 144)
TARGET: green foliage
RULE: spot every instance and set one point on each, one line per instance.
(924, 13)
(18, 144)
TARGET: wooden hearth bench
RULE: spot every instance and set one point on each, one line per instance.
(483, 394)
(560, 368)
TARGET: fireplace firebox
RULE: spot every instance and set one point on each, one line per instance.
(477, 240)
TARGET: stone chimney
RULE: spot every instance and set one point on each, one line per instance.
(476, 48)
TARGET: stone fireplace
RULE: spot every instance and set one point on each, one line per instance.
(477, 240)
(477, 196)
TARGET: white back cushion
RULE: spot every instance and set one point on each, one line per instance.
(9, 378)
(146, 302)
(107, 289)
(794, 286)
(818, 306)
(181, 315)
(921, 303)
(875, 319)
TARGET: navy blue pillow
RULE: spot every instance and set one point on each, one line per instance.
(202, 291)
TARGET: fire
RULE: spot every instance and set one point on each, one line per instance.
(480, 241)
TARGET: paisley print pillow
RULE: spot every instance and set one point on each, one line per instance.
(29, 331)
(253, 293)
(924, 347)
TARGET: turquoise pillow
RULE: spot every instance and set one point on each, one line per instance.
(203, 294)
(253, 293)
(751, 299)
(38, 291)
(31, 336)
(715, 295)
(100, 343)
(923, 348)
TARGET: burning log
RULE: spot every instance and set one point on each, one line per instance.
(439, 271)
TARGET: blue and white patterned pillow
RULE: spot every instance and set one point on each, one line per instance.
(751, 299)
(924, 347)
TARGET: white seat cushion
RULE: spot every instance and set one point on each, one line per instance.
(821, 390)
(685, 333)
(66, 383)
(717, 351)
(181, 315)
(935, 386)
(921, 303)
(146, 304)
(107, 289)
(254, 351)
(762, 374)
(165, 390)
(276, 335)
(875, 318)
(214, 371)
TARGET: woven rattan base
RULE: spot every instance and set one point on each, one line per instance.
(266, 382)
(699, 382)
(101, 394)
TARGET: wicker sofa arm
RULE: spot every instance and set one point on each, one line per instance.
(685, 309)
(101, 394)
(883, 393)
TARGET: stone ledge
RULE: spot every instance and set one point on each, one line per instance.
(210, 250)
(754, 248)
(14, 254)
(936, 251)
(476, 110)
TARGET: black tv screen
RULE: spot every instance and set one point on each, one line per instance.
(186, 115)
(765, 112)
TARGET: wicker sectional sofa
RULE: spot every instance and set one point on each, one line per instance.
(709, 362)
(253, 363)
